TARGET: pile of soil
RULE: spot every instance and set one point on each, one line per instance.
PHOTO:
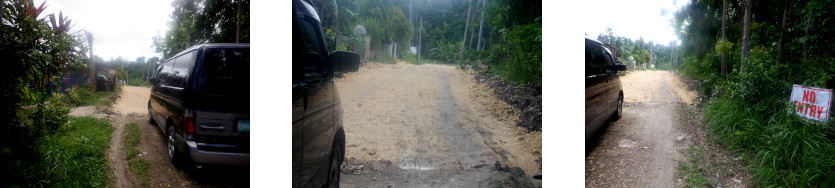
(526, 98)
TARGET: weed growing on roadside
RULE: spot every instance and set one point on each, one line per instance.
(131, 140)
(75, 155)
(140, 168)
(137, 165)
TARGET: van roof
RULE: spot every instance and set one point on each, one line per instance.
(210, 45)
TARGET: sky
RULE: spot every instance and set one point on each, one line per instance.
(120, 27)
(633, 19)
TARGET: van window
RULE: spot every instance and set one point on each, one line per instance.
(226, 72)
(180, 70)
(595, 60)
(165, 73)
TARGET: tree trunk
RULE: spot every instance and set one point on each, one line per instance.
(466, 25)
(480, 25)
(746, 36)
(724, 65)
(238, 24)
(806, 35)
(472, 35)
(782, 32)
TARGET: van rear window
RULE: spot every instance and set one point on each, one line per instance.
(226, 72)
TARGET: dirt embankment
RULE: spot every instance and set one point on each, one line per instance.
(431, 125)
(526, 99)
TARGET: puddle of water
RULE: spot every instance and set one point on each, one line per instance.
(627, 143)
(414, 167)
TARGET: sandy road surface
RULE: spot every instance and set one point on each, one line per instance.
(131, 107)
(429, 126)
(641, 148)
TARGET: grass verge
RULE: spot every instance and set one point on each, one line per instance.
(96, 98)
(785, 151)
(691, 170)
(75, 155)
(138, 167)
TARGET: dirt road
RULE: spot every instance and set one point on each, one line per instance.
(131, 107)
(641, 148)
(428, 126)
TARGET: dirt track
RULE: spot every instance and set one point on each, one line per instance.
(131, 107)
(430, 125)
(641, 148)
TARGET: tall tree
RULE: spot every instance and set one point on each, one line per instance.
(746, 36)
(202, 21)
(480, 25)
(782, 32)
(724, 64)
(466, 25)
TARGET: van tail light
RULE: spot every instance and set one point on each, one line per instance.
(189, 121)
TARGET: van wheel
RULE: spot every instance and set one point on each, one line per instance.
(335, 165)
(171, 144)
(619, 111)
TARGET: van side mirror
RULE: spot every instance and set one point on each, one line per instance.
(343, 61)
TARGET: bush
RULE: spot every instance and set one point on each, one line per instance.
(519, 58)
(445, 51)
(752, 116)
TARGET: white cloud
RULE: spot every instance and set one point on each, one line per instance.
(120, 27)
(632, 19)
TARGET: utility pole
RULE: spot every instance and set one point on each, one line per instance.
(420, 33)
(92, 61)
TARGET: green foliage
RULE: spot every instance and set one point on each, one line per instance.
(787, 151)
(723, 46)
(74, 156)
(516, 50)
(132, 135)
(199, 21)
(749, 114)
(411, 58)
(445, 51)
(140, 168)
(691, 170)
(523, 63)
(385, 22)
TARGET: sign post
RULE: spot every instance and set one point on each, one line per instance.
(811, 103)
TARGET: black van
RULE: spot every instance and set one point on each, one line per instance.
(604, 95)
(200, 101)
(318, 134)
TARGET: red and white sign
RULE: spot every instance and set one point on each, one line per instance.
(811, 103)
